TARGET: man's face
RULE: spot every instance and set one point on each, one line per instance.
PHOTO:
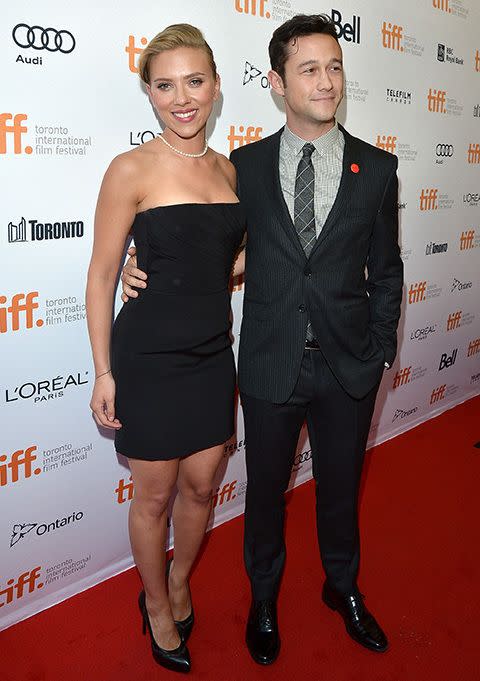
(313, 83)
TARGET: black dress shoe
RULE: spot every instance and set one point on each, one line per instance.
(185, 626)
(178, 659)
(360, 624)
(262, 637)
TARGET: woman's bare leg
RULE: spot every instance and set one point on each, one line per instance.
(153, 483)
(191, 512)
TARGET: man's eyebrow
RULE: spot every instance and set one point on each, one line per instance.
(314, 62)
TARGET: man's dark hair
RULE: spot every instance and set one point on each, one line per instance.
(286, 35)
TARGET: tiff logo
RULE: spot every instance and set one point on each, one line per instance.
(473, 347)
(239, 140)
(16, 131)
(133, 52)
(17, 233)
(252, 7)
(392, 36)
(473, 153)
(436, 100)
(16, 589)
(429, 199)
(438, 394)
(387, 143)
(402, 377)
(20, 461)
(442, 5)
(226, 494)
(417, 292)
(467, 240)
(453, 321)
(12, 312)
(124, 491)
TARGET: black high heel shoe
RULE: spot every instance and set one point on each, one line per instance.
(178, 659)
(184, 627)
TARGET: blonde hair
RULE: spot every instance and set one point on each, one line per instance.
(177, 35)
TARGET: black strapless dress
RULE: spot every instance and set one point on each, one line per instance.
(172, 359)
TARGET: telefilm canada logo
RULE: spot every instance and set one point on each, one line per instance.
(40, 41)
(23, 230)
(21, 530)
(398, 96)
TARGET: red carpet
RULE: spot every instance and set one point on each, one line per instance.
(419, 517)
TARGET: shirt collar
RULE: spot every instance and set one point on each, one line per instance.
(322, 144)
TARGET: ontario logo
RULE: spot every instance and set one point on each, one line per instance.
(21, 530)
(252, 73)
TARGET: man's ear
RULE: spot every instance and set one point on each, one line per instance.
(276, 81)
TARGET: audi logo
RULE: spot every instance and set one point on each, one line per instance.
(43, 38)
(444, 150)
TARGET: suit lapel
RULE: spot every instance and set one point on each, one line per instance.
(348, 182)
(276, 194)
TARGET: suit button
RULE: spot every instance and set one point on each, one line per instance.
(307, 272)
(301, 308)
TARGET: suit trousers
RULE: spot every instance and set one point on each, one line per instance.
(338, 427)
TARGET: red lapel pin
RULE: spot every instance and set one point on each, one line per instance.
(354, 168)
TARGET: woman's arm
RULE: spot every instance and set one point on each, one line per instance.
(116, 208)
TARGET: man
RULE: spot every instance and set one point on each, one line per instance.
(317, 331)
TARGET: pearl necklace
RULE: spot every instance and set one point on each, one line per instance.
(184, 153)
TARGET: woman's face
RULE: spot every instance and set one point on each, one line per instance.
(182, 89)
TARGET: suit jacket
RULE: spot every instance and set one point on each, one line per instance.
(354, 315)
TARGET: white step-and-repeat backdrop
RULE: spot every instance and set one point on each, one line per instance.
(71, 100)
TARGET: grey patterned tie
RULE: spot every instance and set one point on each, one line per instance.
(303, 207)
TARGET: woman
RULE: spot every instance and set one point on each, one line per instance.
(168, 391)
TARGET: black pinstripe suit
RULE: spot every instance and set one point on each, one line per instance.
(354, 318)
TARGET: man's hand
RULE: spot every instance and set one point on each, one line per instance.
(131, 276)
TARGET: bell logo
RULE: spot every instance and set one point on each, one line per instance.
(124, 491)
(392, 36)
(473, 153)
(429, 199)
(438, 394)
(436, 100)
(442, 5)
(467, 240)
(348, 32)
(387, 143)
(12, 312)
(252, 7)
(477, 61)
(16, 130)
(133, 52)
(417, 292)
(453, 321)
(473, 347)
(20, 461)
(402, 377)
(226, 494)
(447, 361)
(239, 140)
(16, 589)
